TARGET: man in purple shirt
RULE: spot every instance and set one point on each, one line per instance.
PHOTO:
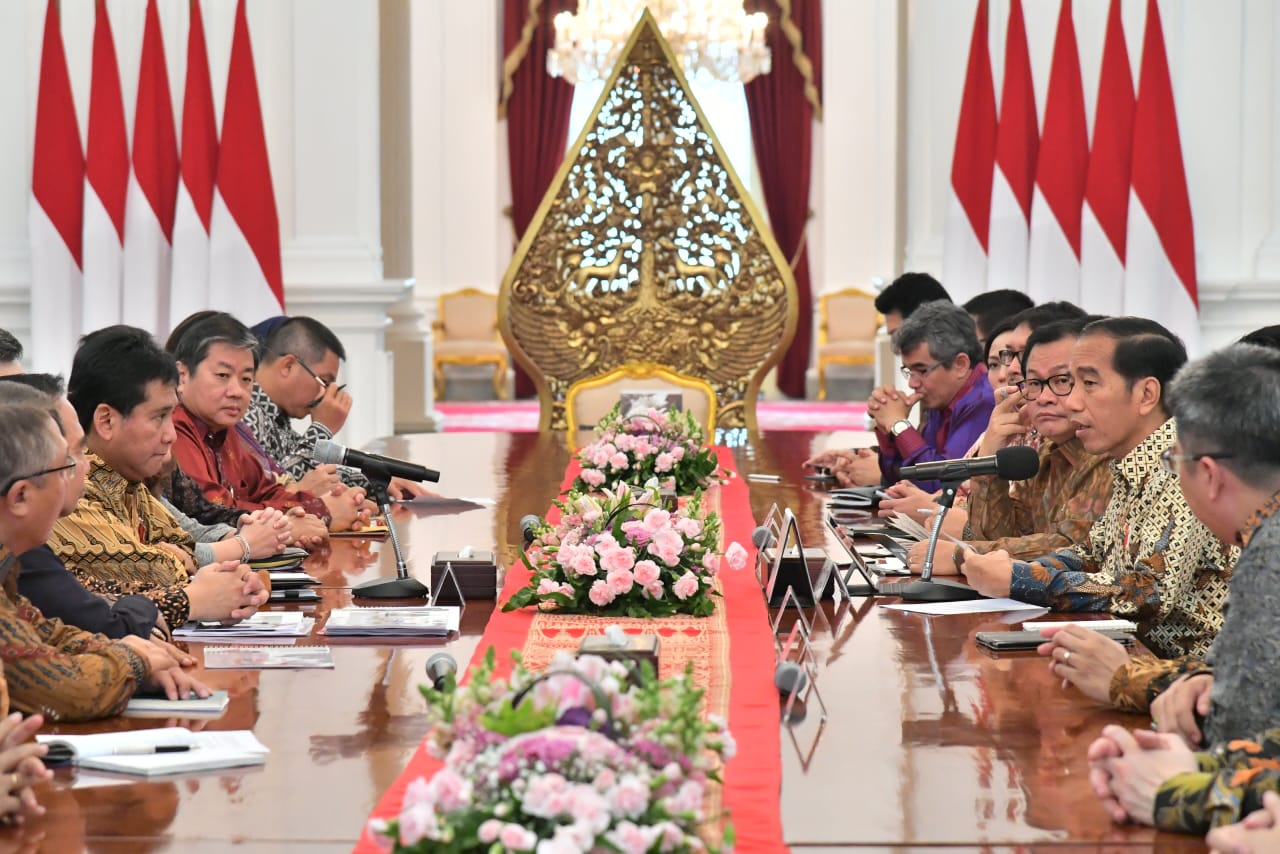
(942, 361)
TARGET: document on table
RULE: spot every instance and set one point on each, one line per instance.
(969, 606)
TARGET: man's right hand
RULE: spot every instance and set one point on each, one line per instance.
(321, 480)
(266, 531)
(180, 554)
(1005, 423)
(332, 409)
(217, 592)
(1176, 708)
(308, 531)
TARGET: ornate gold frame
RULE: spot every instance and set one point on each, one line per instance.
(825, 361)
(498, 360)
(639, 370)
(736, 400)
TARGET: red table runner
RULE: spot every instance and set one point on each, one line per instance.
(753, 777)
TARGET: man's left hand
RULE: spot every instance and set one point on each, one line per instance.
(991, 574)
(889, 405)
(1127, 768)
(406, 489)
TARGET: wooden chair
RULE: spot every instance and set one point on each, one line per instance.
(589, 400)
(466, 333)
(846, 331)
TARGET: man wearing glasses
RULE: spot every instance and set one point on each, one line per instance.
(1147, 557)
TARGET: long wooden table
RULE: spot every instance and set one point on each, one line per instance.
(928, 741)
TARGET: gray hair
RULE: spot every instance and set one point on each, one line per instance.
(25, 442)
(20, 394)
(945, 327)
(1229, 402)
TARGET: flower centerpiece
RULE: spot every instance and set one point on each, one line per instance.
(638, 448)
(584, 757)
(621, 553)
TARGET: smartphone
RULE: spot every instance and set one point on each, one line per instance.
(1005, 641)
(820, 474)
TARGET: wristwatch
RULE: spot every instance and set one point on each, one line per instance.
(899, 427)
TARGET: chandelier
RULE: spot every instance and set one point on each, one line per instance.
(713, 39)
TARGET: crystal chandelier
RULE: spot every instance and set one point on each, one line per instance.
(713, 39)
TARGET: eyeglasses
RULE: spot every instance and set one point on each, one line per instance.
(1006, 357)
(323, 384)
(908, 371)
(1169, 460)
(67, 469)
(1059, 384)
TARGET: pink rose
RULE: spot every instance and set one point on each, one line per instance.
(663, 462)
(617, 560)
(642, 448)
(629, 839)
(601, 593)
(618, 461)
(620, 582)
(656, 519)
(584, 563)
(711, 563)
(667, 545)
(517, 838)
(654, 590)
(418, 822)
(488, 832)
(736, 555)
(677, 453)
(689, 527)
(630, 797)
(685, 586)
(625, 442)
(646, 572)
(594, 477)
(547, 585)
(636, 531)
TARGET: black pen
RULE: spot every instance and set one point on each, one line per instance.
(141, 749)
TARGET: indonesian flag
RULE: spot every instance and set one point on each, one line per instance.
(106, 182)
(189, 288)
(964, 248)
(1160, 279)
(1017, 143)
(55, 213)
(1105, 219)
(1053, 266)
(153, 186)
(244, 269)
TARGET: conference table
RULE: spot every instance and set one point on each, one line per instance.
(927, 741)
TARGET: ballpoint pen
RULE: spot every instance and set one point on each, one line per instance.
(143, 749)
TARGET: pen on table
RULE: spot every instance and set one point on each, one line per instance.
(143, 749)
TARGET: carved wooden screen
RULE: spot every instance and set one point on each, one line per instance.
(648, 248)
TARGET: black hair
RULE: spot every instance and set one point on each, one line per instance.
(992, 308)
(10, 347)
(302, 337)
(50, 384)
(183, 325)
(113, 366)
(1050, 333)
(908, 292)
(1048, 312)
(1144, 349)
(192, 346)
(1267, 336)
(996, 331)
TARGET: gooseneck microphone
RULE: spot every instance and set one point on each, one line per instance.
(439, 668)
(327, 451)
(529, 527)
(1017, 462)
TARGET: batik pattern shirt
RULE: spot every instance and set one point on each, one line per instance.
(1148, 557)
(1136, 683)
(228, 473)
(1230, 783)
(1054, 510)
(112, 543)
(289, 448)
(57, 670)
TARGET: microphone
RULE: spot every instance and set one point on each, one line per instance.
(528, 526)
(327, 451)
(762, 537)
(439, 667)
(789, 678)
(1017, 462)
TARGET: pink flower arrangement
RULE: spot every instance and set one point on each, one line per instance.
(621, 553)
(638, 448)
(587, 756)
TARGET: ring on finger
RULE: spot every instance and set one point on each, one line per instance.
(1066, 656)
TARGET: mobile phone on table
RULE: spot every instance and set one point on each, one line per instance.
(1030, 639)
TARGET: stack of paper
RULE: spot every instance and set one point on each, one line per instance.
(278, 624)
(908, 526)
(266, 657)
(191, 707)
(419, 621)
(153, 752)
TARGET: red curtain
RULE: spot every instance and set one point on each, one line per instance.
(782, 115)
(537, 110)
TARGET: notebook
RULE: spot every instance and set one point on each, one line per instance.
(288, 558)
(145, 707)
(417, 621)
(289, 624)
(180, 750)
(266, 657)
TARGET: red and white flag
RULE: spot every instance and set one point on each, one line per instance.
(1105, 219)
(1053, 262)
(153, 186)
(55, 215)
(106, 182)
(1160, 275)
(1017, 144)
(189, 289)
(964, 246)
(244, 263)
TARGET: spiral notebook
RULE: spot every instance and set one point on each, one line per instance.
(157, 752)
(267, 657)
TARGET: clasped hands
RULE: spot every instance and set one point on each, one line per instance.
(888, 405)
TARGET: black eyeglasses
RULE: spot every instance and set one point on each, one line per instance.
(1169, 460)
(1006, 357)
(1059, 384)
(324, 384)
(920, 371)
(67, 469)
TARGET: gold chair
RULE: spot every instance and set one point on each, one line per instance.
(466, 333)
(589, 400)
(847, 326)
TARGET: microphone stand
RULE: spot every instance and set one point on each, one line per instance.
(927, 589)
(402, 586)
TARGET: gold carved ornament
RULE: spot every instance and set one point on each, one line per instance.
(647, 248)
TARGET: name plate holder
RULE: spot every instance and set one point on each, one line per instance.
(796, 676)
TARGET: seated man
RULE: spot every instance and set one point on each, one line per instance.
(905, 294)
(120, 539)
(297, 377)
(216, 357)
(995, 308)
(1147, 557)
(49, 667)
(1228, 462)
(10, 354)
(44, 578)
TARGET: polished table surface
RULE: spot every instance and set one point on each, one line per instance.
(927, 741)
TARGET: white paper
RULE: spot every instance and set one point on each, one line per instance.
(969, 606)
(1093, 625)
